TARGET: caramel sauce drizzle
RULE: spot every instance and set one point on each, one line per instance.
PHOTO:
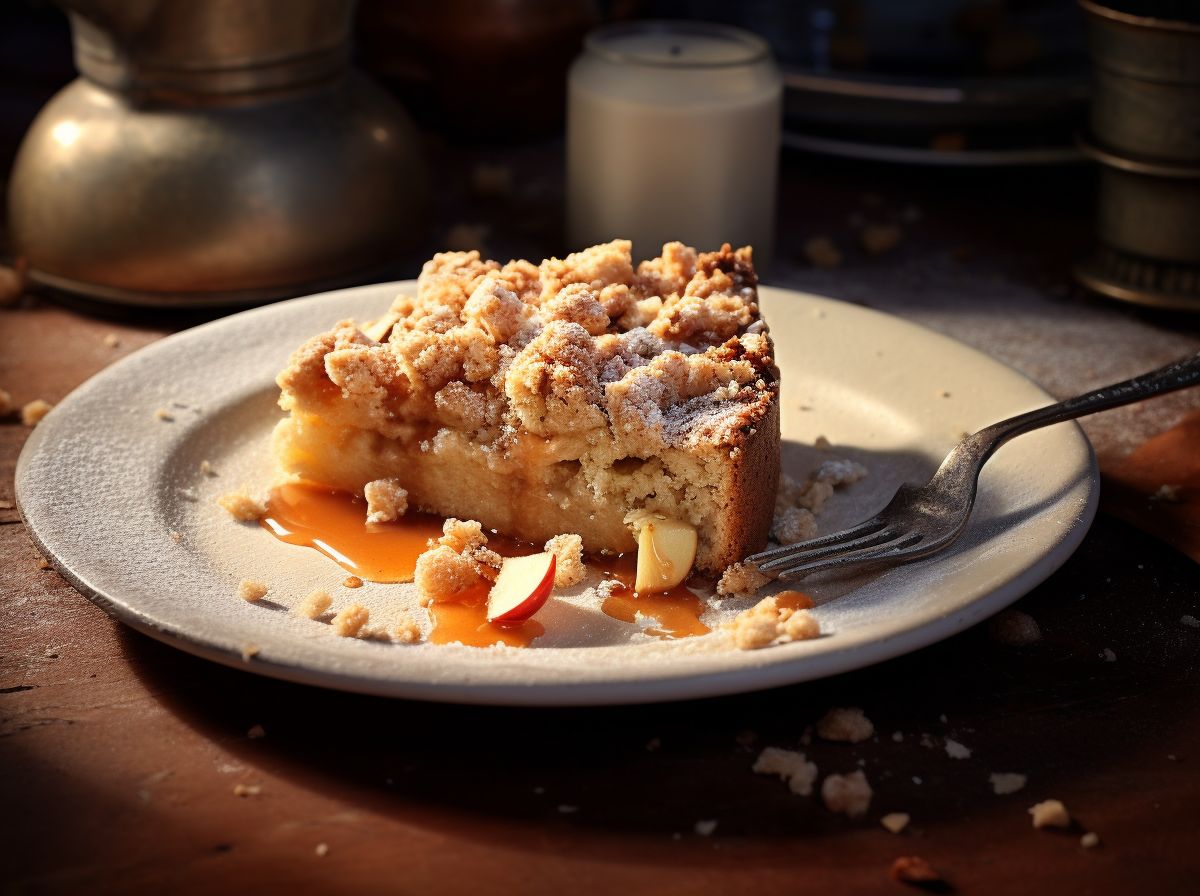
(677, 611)
(335, 523)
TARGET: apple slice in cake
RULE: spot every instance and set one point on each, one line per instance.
(555, 398)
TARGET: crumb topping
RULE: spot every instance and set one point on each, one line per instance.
(668, 354)
(406, 630)
(386, 500)
(241, 504)
(568, 560)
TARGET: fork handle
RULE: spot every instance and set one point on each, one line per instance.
(1179, 375)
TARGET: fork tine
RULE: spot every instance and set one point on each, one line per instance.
(807, 551)
(901, 548)
(788, 551)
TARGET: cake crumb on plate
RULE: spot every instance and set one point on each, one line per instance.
(568, 553)
(241, 504)
(387, 500)
(314, 604)
(350, 621)
(252, 590)
(1007, 782)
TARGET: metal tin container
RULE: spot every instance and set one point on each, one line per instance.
(1146, 84)
(214, 152)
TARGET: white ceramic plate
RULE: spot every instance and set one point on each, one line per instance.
(103, 482)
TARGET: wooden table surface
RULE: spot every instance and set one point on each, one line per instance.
(119, 756)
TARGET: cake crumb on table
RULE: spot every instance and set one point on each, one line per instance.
(314, 604)
(1190, 621)
(43, 563)
(1050, 813)
(32, 412)
(1014, 628)
(322, 849)
(5, 403)
(1007, 782)
(913, 870)
(878, 239)
(955, 750)
(792, 767)
(706, 827)
(1089, 840)
(256, 732)
(242, 505)
(252, 590)
(822, 253)
(568, 559)
(895, 821)
(387, 500)
(350, 621)
(245, 790)
(847, 724)
(111, 340)
(850, 793)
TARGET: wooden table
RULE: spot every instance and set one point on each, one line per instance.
(121, 758)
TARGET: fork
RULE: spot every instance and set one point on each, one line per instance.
(921, 520)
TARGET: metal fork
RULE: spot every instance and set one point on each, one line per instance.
(920, 521)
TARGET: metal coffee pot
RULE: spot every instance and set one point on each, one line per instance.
(214, 152)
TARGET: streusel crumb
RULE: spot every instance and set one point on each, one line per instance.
(742, 580)
(350, 621)
(314, 604)
(568, 557)
(386, 500)
(794, 524)
(1050, 813)
(847, 724)
(791, 766)
(459, 560)
(767, 622)
(895, 821)
(847, 793)
(5, 403)
(406, 630)
(462, 535)
(33, 411)
(243, 505)
(1007, 782)
(252, 590)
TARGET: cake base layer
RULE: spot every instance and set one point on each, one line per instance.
(538, 488)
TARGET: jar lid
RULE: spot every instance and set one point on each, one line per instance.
(676, 44)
